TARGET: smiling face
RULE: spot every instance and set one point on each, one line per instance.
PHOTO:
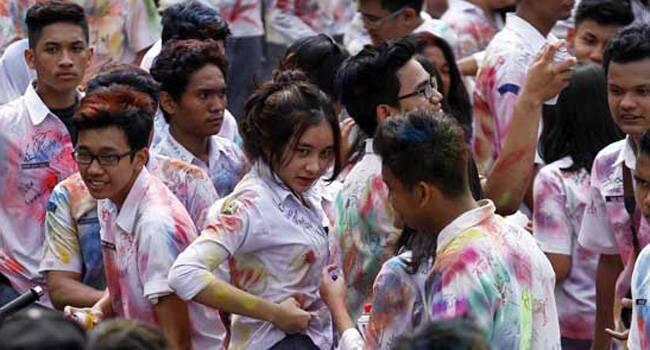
(628, 91)
(199, 110)
(113, 182)
(310, 158)
(412, 77)
(60, 57)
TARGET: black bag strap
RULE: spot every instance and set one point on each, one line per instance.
(630, 207)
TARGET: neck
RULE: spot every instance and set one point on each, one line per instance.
(120, 197)
(453, 209)
(635, 143)
(543, 25)
(198, 146)
(54, 99)
(416, 23)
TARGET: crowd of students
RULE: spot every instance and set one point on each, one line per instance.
(384, 174)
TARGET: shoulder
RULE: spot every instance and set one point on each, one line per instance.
(169, 166)
(603, 165)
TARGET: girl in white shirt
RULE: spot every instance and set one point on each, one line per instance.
(269, 230)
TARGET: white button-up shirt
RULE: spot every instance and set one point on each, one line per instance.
(35, 154)
(473, 28)
(226, 165)
(140, 242)
(560, 198)
(500, 77)
(277, 248)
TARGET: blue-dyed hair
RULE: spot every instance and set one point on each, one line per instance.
(193, 20)
(425, 146)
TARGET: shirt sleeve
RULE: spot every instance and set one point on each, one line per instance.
(393, 304)
(142, 24)
(551, 223)
(160, 241)
(202, 195)
(351, 340)
(640, 325)
(596, 232)
(61, 251)
(224, 234)
(380, 215)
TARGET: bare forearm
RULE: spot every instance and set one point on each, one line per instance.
(513, 171)
(174, 321)
(609, 267)
(341, 317)
(66, 291)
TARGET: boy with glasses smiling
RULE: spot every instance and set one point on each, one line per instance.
(143, 225)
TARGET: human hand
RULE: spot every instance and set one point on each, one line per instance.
(546, 77)
(332, 286)
(87, 317)
(290, 317)
(621, 333)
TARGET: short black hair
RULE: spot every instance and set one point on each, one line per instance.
(193, 20)
(55, 11)
(37, 328)
(370, 78)
(179, 59)
(319, 56)
(604, 12)
(129, 75)
(630, 45)
(583, 103)
(395, 5)
(280, 111)
(452, 334)
(424, 145)
(120, 106)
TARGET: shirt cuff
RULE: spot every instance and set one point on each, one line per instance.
(156, 289)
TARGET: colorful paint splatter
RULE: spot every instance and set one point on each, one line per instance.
(472, 26)
(275, 248)
(560, 198)
(494, 273)
(364, 236)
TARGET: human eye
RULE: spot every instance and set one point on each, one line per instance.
(615, 90)
(644, 91)
(108, 159)
(51, 49)
(302, 152)
(83, 157)
(327, 154)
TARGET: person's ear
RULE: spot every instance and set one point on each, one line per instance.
(140, 158)
(383, 111)
(423, 193)
(167, 103)
(29, 58)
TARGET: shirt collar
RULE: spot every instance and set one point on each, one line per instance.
(531, 36)
(185, 155)
(126, 216)
(36, 108)
(464, 222)
(627, 154)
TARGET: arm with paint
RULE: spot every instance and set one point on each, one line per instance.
(512, 173)
(191, 276)
(62, 262)
(333, 292)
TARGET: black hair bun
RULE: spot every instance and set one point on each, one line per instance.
(289, 77)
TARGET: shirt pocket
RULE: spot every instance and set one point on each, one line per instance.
(36, 179)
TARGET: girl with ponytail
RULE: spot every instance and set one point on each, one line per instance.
(269, 231)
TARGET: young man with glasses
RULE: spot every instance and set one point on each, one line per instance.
(72, 259)
(379, 21)
(376, 84)
(36, 139)
(143, 225)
